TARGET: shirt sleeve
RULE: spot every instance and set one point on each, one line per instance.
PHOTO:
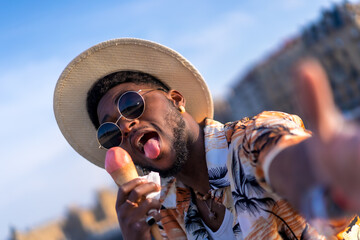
(267, 134)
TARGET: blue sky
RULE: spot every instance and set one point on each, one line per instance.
(41, 176)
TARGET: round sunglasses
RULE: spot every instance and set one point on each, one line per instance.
(131, 105)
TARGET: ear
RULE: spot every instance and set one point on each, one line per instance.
(176, 98)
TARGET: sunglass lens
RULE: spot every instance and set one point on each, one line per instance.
(109, 135)
(131, 105)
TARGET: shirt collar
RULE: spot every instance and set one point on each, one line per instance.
(216, 151)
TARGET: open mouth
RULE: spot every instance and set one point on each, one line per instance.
(149, 144)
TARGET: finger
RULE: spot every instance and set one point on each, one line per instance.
(126, 188)
(139, 192)
(135, 212)
(151, 207)
(139, 215)
(315, 98)
(125, 208)
(148, 207)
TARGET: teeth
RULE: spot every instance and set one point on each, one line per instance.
(144, 138)
(141, 146)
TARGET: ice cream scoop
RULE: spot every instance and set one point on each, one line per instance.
(120, 166)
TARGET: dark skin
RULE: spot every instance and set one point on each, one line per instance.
(331, 157)
(334, 152)
(193, 173)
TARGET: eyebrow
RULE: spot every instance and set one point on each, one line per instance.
(119, 95)
(104, 118)
(115, 102)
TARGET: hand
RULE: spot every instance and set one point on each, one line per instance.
(334, 149)
(133, 208)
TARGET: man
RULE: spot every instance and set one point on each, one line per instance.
(218, 181)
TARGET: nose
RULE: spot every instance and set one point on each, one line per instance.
(126, 125)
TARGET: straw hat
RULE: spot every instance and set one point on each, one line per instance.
(119, 55)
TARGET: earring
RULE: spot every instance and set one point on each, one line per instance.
(181, 109)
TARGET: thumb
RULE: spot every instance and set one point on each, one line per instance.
(315, 99)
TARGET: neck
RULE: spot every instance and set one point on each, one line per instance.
(195, 173)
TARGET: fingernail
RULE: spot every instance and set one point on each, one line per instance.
(142, 180)
(158, 187)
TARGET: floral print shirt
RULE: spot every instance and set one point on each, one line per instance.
(237, 180)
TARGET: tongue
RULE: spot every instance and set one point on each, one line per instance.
(152, 148)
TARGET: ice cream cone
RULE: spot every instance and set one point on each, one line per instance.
(120, 166)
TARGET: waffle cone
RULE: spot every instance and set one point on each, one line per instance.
(124, 174)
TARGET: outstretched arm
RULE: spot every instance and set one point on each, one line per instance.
(331, 157)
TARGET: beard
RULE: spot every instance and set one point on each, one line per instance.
(179, 145)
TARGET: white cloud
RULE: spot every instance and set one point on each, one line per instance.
(222, 30)
(291, 4)
(30, 136)
(40, 172)
(211, 46)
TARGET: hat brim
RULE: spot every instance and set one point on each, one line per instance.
(121, 55)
